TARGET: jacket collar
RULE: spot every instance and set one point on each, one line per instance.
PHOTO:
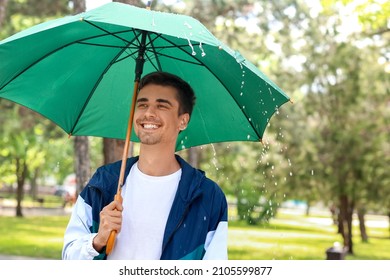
(108, 176)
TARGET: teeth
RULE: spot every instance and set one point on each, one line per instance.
(150, 126)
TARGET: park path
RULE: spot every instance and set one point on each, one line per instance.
(9, 257)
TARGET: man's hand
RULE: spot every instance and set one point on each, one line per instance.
(110, 219)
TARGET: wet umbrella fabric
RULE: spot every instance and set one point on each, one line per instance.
(78, 71)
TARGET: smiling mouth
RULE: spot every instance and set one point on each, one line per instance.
(149, 126)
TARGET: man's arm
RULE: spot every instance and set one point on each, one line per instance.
(216, 243)
(216, 240)
(78, 237)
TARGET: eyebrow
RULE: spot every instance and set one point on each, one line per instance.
(159, 100)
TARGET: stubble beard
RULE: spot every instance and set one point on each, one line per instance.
(147, 139)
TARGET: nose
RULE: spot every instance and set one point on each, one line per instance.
(150, 112)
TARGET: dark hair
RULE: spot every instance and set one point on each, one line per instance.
(185, 94)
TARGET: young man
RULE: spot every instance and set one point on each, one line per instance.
(170, 210)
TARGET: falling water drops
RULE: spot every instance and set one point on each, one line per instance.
(191, 46)
(201, 48)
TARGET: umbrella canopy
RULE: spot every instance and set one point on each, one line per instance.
(78, 71)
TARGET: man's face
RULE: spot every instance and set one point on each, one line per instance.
(156, 117)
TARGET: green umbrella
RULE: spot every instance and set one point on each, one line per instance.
(78, 71)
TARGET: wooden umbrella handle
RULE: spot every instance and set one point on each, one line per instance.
(112, 237)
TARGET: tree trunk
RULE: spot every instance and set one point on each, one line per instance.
(307, 212)
(193, 157)
(362, 224)
(351, 207)
(137, 3)
(21, 171)
(113, 150)
(3, 9)
(33, 183)
(388, 215)
(79, 6)
(343, 218)
(82, 162)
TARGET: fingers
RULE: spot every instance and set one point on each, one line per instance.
(111, 217)
(110, 220)
(114, 205)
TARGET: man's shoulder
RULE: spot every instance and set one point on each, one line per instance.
(110, 172)
(210, 185)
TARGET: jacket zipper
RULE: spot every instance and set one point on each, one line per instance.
(177, 227)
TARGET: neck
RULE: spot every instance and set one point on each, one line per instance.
(155, 161)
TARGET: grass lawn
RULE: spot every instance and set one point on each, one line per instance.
(288, 236)
(297, 237)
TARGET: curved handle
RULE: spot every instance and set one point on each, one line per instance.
(111, 238)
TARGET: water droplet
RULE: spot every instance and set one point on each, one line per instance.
(201, 48)
(191, 46)
(188, 25)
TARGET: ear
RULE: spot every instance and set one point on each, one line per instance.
(184, 119)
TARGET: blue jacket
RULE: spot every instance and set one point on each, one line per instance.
(196, 227)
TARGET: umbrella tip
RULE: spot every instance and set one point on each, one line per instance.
(81, 19)
(291, 101)
(69, 135)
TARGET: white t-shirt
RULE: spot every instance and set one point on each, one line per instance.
(147, 201)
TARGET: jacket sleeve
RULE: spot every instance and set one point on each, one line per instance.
(216, 240)
(216, 243)
(78, 236)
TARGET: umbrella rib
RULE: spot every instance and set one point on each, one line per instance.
(109, 33)
(96, 84)
(155, 53)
